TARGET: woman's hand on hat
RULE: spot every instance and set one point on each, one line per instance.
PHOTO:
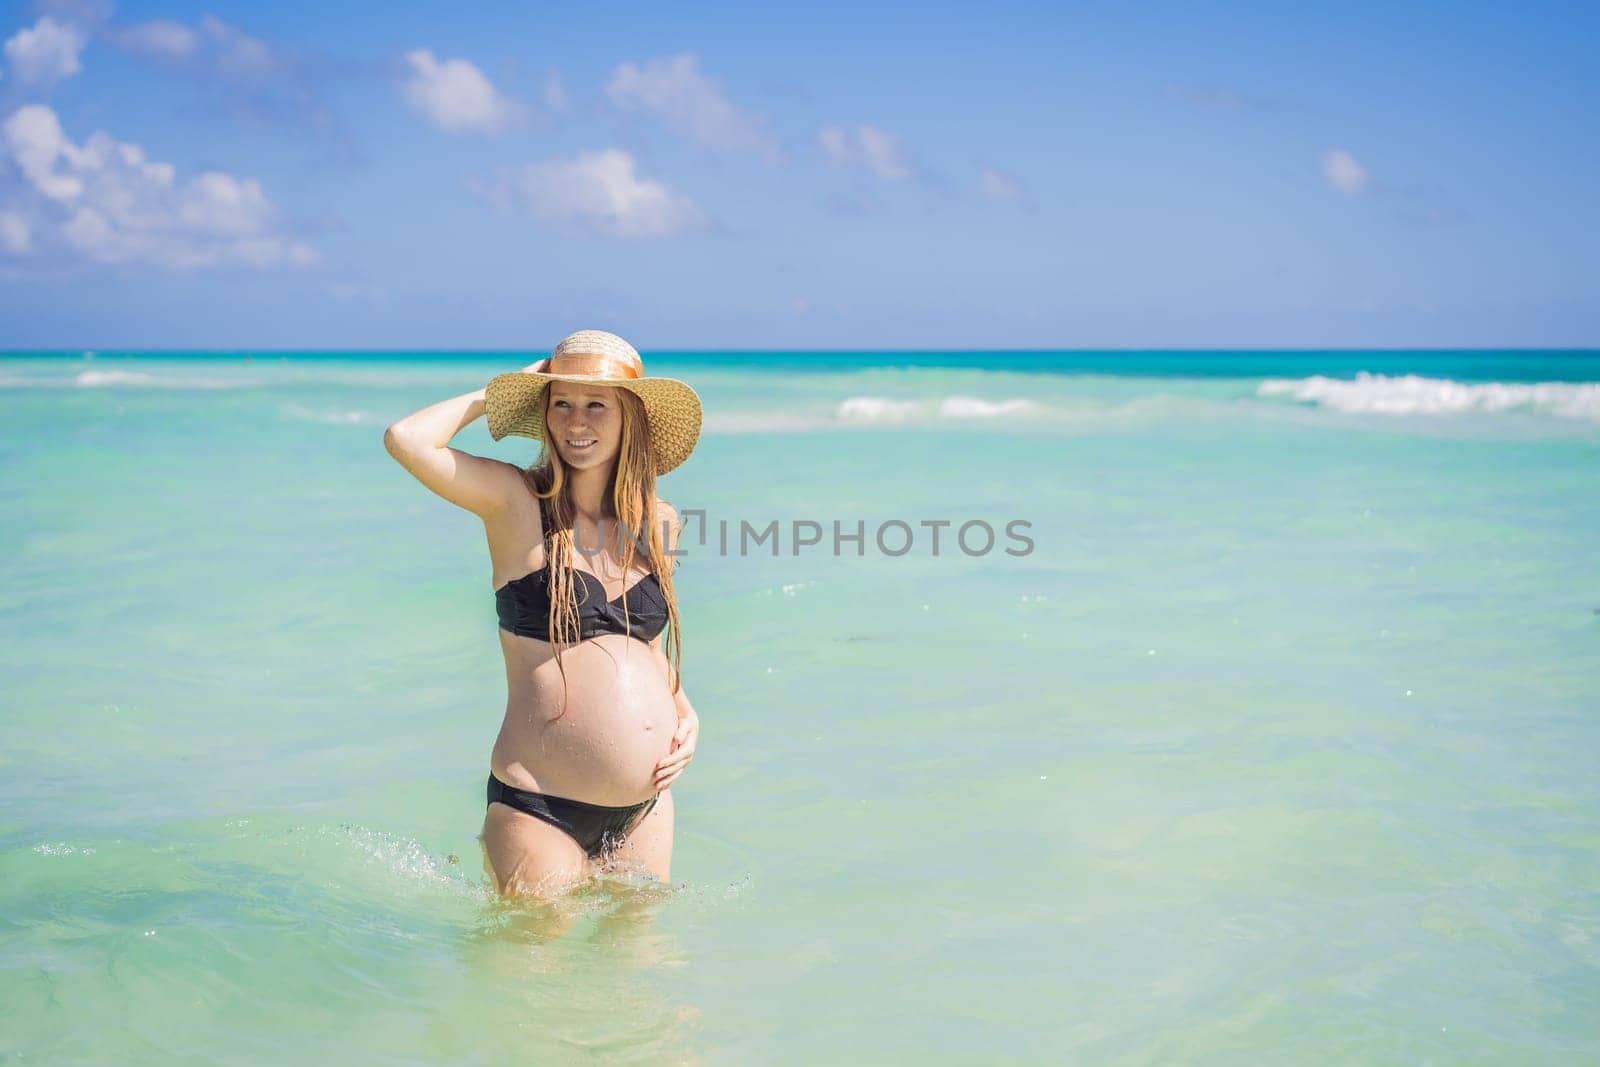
(540, 367)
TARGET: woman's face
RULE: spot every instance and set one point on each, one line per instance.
(585, 422)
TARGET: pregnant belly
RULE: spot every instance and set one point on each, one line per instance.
(617, 725)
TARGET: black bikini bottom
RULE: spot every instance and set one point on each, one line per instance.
(596, 827)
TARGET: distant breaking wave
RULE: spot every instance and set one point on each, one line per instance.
(970, 407)
(1411, 394)
(263, 375)
(873, 411)
(332, 418)
(884, 409)
(92, 379)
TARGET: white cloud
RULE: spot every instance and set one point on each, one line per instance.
(239, 56)
(835, 145)
(159, 39)
(13, 232)
(454, 95)
(237, 72)
(555, 92)
(34, 141)
(215, 48)
(106, 202)
(674, 90)
(1343, 172)
(877, 151)
(87, 13)
(41, 56)
(997, 184)
(597, 192)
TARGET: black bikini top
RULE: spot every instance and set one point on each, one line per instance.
(524, 607)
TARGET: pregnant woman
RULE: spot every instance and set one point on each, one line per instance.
(597, 724)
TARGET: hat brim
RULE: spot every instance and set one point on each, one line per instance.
(514, 405)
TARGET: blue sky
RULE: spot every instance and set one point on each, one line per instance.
(177, 175)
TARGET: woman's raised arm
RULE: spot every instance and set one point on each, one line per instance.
(420, 443)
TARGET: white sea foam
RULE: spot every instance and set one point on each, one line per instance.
(260, 375)
(875, 409)
(334, 418)
(117, 379)
(404, 857)
(100, 379)
(1412, 394)
(887, 409)
(970, 407)
(92, 378)
(739, 422)
(878, 410)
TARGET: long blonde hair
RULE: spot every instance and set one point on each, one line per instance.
(633, 504)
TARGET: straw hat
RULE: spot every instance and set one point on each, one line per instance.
(515, 402)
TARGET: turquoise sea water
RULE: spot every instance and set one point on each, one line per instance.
(1278, 746)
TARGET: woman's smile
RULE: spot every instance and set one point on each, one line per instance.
(585, 423)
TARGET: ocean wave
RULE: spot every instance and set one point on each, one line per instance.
(83, 380)
(875, 409)
(741, 422)
(332, 418)
(261, 375)
(99, 379)
(886, 409)
(92, 378)
(970, 407)
(872, 410)
(1411, 394)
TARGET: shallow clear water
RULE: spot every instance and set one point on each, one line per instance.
(1277, 746)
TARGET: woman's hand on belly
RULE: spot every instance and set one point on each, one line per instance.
(684, 740)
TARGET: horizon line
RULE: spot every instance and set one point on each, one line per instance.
(81, 351)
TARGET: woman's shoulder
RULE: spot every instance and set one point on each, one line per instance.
(671, 524)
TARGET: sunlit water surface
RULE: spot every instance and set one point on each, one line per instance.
(1278, 746)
